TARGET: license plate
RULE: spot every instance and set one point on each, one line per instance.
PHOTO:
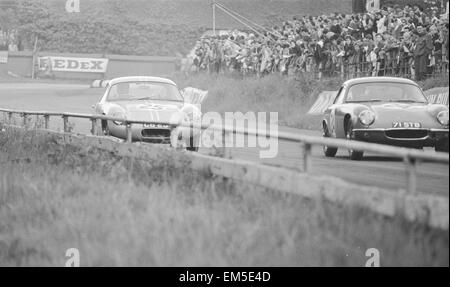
(406, 125)
(157, 126)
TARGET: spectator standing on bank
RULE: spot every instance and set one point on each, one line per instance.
(422, 52)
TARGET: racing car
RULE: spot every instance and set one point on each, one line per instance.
(385, 110)
(154, 100)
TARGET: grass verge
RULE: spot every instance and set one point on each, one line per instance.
(127, 212)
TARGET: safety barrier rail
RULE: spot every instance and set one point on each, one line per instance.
(410, 156)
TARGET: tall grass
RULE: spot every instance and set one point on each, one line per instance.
(290, 97)
(435, 82)
(127, 212)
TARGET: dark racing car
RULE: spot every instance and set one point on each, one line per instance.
(385, 110)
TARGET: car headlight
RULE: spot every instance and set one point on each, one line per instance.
(119, 116)
(442, 118)
(366, 117)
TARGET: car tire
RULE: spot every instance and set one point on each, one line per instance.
(353, 154)
(442, 146)
(328, 151)
(105, 129)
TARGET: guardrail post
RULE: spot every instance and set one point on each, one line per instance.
(46, 121)
(411, 173)
(306, 157)
(224, 144)
(25, 119)
(66, 123)
(94, 126)
(129, 132)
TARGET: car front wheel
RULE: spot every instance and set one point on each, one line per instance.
(353, 154)
(328, 151)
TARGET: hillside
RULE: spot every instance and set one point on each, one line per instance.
(146, 27)
(198, 13)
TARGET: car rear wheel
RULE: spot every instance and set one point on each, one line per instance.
(328, 151)
(441, 146)
(353, 154)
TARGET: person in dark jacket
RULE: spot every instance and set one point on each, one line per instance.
(422, 52)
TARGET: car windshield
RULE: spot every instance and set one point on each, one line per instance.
(385, 92)
(132, 91)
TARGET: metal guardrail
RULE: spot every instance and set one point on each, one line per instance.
(410, 156)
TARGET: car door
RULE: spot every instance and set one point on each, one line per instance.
(102, 106)
(331, 113)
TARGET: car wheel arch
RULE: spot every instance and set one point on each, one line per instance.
(325, 126)
(347, 119)
(104, 123)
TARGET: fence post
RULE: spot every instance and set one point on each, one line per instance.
(25, 119)
(306, 157)
(10, 115)
(66, 123)
(129, 132)
(224, 143)
(46, 121)
(411, 173)
(94, 127)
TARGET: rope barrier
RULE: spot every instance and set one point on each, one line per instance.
(250, 21)
(242, 22)
(239, 15)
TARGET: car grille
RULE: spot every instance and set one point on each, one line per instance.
(406, 134)
(156, 133)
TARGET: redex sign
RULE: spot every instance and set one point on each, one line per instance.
(69, 64)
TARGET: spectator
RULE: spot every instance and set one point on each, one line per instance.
(422, 52)
(392, 41)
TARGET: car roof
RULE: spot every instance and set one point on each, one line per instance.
(379, 80)
(140, 79)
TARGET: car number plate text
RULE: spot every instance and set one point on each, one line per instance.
(156, 126)
(398, 125)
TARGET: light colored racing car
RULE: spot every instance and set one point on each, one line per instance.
(152, 99)
(385, 110)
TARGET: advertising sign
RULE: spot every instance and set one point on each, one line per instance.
(3, 57)
(69, 64)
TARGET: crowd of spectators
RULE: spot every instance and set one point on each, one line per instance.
(8, 40)
(394, 40)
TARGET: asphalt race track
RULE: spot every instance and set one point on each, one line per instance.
(374, 170)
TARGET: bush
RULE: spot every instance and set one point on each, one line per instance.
(290, 97)
(430, 83)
